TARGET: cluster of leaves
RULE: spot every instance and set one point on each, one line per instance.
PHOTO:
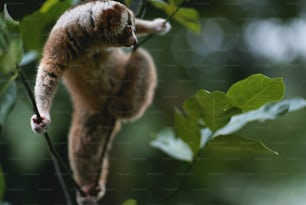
(213, 118)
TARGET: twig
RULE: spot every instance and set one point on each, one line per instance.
(103, 154)
(56, 159)
(183, 180)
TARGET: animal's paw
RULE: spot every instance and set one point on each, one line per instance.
(40, 126)
(93, 195)
(161, 26)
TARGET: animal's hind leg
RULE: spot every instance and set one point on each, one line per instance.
(138, 86)
(87, 139)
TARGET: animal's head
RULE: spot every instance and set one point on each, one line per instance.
(117, 23)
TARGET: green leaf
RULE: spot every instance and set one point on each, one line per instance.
(11, 48)
(188, 17)
(48, 6)
(130, 202)
(267, 112)
(188, 14)
(43, 19)
(3, 39)
(238, 143)
(11, 23)
(33, 35)
(192, 110)
(8, 95)
(193, 26)
(2, 184)
(12, 56)
(174, 147)
(255, 91)
(188, 129)
(216, 109)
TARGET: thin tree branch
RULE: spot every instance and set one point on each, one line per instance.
(183, 180)
(104, 150)
(56, 159)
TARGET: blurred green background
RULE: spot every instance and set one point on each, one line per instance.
(237, 38)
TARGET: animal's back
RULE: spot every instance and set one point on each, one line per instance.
(95, 78)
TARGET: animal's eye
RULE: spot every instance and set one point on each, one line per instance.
(129, 22)
(128, 30)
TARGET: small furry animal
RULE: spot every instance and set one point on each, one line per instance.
(106, 84)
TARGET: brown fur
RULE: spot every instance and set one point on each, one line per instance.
(106, 84)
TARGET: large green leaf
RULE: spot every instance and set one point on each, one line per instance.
(43, 19)
(174, 147)
(255, 91)
(130, 202)
(8, 95)
(2, 184)
(266, 112)
(216, 109)
(238, 143)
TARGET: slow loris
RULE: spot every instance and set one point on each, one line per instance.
(106, 84)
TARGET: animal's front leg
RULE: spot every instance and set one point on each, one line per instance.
(156, 26)
(45, 86)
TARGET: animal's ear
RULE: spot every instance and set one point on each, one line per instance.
(112, 17)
